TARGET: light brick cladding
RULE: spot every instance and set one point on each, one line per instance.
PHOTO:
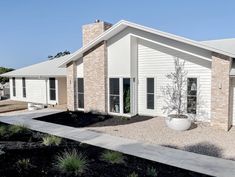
(71, 85)
(95, 69)
(220, 89)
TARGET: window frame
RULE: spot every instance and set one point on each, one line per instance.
(196, 95)
(14, 86)
(150, 93)
(115, 95)
(52, 89)
(24, 87)
(80, 93)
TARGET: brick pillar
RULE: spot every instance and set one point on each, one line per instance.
(95, 79)
(71, 86)
(220, 91)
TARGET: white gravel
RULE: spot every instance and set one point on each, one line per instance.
(202, 139)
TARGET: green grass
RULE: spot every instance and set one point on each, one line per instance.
(14, 129)
(113, 157)
(3, 130)
(72, 162)
(49, 140)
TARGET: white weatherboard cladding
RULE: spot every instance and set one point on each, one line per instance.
(232, 101)
(119, 55)
(156, 61)
(80, 68)
(35, 90)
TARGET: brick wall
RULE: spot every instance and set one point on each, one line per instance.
(95, 79)
(220, 89)
(71, 85)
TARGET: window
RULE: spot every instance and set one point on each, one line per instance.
(24, 87)
(14, 86)
(192, 95)
(52, 89)
(126, 95)
(150, 93)
(114, 93)
(80, 93)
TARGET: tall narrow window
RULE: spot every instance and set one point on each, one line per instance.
(192, 95)
(14, 86)
(52, 89)
(80, 93)
(24, 87)
(150, 93)
(126, 95)
(114, 94)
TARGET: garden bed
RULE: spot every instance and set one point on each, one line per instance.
(24, 154)
(81, 119)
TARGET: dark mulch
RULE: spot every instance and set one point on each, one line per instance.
(43, 160)
(81, 119)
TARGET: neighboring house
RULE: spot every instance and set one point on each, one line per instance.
(43, 83)
(121, 69)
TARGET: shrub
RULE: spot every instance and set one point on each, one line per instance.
(152, 172)
(133, 175)
(14, 129)
(72, 162)
(3, 131)
(23, 165)
(112, 157)
(49, 140)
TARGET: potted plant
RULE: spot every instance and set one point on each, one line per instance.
(175, 98)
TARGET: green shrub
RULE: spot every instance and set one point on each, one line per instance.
(49, 140)
(3, 130)
(112, 157)
(23, 165)
(152, 172)
(72, 162)
(14, 129)
(133, 175)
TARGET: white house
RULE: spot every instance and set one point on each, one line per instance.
(121, 69)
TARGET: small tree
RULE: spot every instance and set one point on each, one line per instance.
(175, 91)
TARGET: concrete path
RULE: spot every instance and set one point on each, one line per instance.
(178, 158)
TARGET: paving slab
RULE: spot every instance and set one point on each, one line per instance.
(190, 161)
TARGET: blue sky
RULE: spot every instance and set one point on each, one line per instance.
(30, 30)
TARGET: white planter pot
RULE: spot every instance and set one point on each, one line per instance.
(180, 124)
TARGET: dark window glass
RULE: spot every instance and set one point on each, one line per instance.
(126, 95)
(80, 93)
(114, 100)
(14, 86)
(24, 87)
(52, 89)
(114, 86)
(192, 95)
(150, 93)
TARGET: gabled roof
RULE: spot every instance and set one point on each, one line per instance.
(223, 44)
(49, 68)
(118, 27)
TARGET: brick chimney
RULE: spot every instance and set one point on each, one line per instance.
(95, 69)
(91, 31)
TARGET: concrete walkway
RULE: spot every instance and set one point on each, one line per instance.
(178, 158)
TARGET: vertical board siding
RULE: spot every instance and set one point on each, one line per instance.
(157, 64)
(35, 90)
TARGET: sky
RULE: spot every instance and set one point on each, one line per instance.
(31, 30)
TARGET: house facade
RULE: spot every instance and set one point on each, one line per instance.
(121, 70)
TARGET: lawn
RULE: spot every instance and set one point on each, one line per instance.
(29, 153)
